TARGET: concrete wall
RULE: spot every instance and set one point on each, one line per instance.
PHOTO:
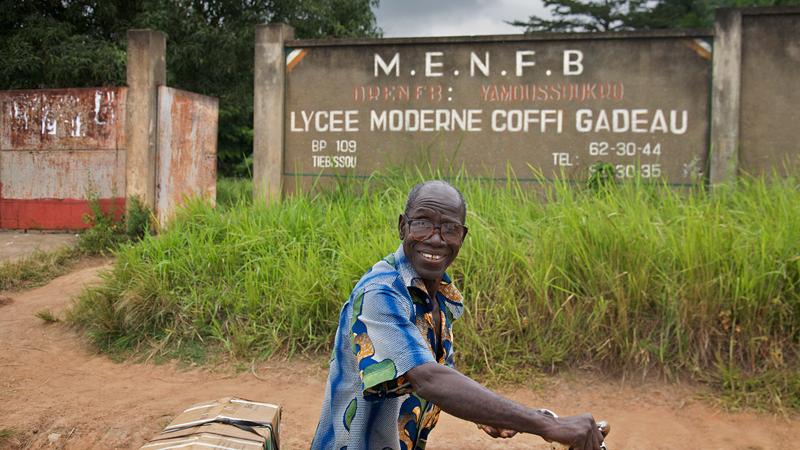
(146, 71)
(770, 91)
(58, 147)
(269, 81)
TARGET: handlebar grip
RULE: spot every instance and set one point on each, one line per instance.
(604, 427)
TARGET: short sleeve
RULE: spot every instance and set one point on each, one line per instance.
(386, 342)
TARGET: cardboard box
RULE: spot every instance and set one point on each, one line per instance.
(229, 423)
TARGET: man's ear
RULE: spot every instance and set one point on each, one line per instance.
(401, 221)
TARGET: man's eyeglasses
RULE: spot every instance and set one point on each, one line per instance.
(421, 229)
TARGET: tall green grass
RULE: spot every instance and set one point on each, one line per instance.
(634, 277)
(233, 192)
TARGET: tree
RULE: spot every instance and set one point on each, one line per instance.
(616, 15)
(577, 15)
(78, 43)
(52, 44)
(210, 51)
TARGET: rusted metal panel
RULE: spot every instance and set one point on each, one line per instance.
(187, 149)
(50, 189)
(58, 119)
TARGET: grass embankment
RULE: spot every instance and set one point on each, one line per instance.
(40, 267)
(37, 268)
(234, 192)
(635, 278)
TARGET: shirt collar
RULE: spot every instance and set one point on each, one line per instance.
(411, 278)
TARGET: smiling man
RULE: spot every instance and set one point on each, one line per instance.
(392, 369)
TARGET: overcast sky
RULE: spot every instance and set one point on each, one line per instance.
(403, 18)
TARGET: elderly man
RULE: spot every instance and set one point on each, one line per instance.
(391, 371)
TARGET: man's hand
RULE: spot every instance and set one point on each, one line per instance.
(466, 399)
(578, 432)
(497, 432)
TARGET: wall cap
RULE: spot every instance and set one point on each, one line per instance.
(764, 10)
(529, 37)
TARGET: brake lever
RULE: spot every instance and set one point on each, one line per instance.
(603, 426)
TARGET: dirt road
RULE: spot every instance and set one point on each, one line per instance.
(55, 392)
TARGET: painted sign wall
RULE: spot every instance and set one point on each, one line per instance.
(548, 105)
(58, 147)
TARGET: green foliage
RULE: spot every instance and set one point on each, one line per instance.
(54, 44)
(615, 15)
(105, 231)
(677, 14)
(138, 220)
(232, 192)
(601, 176)
(578, 15)
(108, 229)
(638, 278)
(77, 43)
(47, 316)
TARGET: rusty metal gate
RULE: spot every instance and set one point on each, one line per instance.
(187, 149)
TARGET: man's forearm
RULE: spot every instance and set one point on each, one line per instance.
(464, 398)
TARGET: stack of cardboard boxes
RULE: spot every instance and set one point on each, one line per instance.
(229, 423)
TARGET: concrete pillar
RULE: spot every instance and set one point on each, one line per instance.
(268, 113)
(726, 95)
(146, 71)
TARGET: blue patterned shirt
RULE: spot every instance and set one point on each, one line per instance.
(385, 329)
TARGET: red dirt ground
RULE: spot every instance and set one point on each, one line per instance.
(52, 383)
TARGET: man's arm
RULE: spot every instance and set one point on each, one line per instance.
(464, 398)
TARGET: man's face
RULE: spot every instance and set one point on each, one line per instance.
(430, 256)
